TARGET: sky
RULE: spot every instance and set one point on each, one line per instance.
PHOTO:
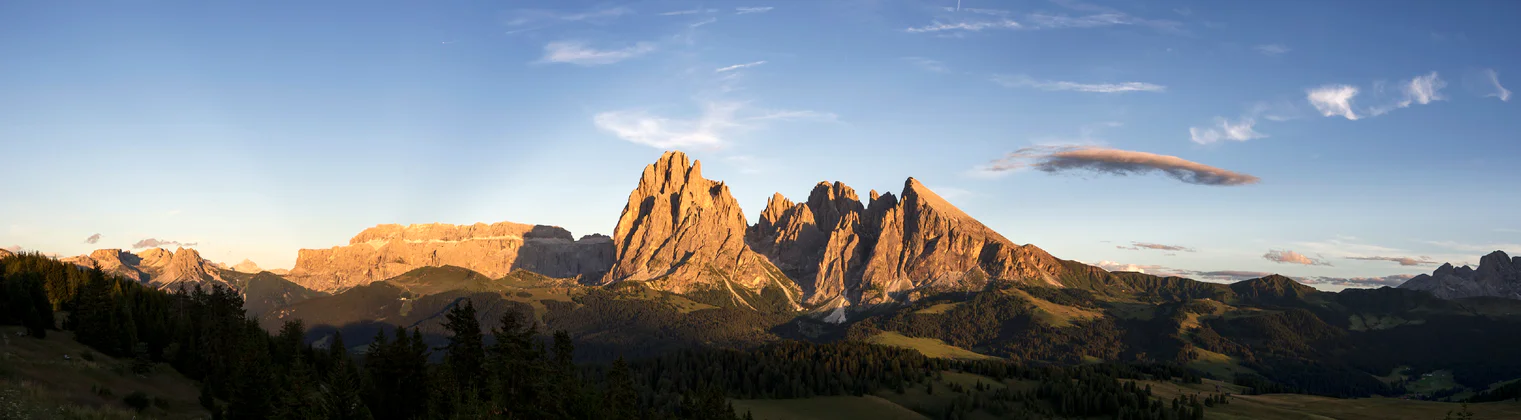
(1335, 142)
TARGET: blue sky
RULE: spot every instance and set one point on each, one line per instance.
(1287, 137)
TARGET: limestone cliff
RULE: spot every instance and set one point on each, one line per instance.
(1498, 275)
(890, 249)
(386, 251)
(155, 267)
(681, 233)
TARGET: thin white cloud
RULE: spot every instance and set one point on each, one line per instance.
(738, 66)
(713, 129)
(1021, 81)
(531, 17)
(1500, 91)
(578, 53)
(749, 10)
(928, 64)
(1333, 100)
(687, 12)
(937, 26)
(1224, 129)
(1419, 90)
(702, 22)
(1272, 49)
(1472, 247)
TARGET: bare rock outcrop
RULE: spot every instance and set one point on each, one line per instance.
(1498, 275)
(385, 251)
(155, 267)
(247, 266)
(891, 249)
(6, 253)
(681, 233)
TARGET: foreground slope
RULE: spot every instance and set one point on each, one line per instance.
(37, 382)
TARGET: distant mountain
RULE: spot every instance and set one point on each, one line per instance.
(386, 251)
(156, 267)
(266, 291)
(6, 253)
(1498, 275)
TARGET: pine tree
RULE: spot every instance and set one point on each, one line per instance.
(621, 400)
(465, 355)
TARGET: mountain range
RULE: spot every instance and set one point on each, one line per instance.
(684, 269)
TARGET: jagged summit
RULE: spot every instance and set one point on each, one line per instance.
(156, 267)
(1498, 275)
(681, 232)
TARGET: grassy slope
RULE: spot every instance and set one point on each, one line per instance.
(36, 382)
(1296, 406)
(928, 346)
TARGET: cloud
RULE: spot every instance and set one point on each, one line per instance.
(1136, 246)
(576, 52)
(1021, 81)
(703, 22)
(1500, 91)
(1405, 261)
(1271, 49)
(155, 243)
(718, 122)
(738, 66)
(1420, 90)
(1333, 100)
(688, 12)
(1232, 275)
(937, 26)
(928, 64)
(93, 239)
(1224, 129)
(1391, 281)
(749, 10)
(1053, 159)
(531, 17)
(1135, 268)
(1291, 257)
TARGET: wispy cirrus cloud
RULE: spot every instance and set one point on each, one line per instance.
(1499, 91)
(1094, 17)
(1224, 129)
(93, 239)
(1333, 100)
(1477, 247)
(928, 64)
(155, 243)
(1158, 270)
(1022, 81)
(1272, 49)
(579, 53)
(1136, 246)
(738, 66)
(532, 19)
(1361, 282)
(1404, 261)
(749, 10)
(1102, 160)
(688, 12)
(1420, 90)
(1291, 257)
(719, 122)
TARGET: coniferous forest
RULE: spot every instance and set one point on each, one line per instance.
(513, 369)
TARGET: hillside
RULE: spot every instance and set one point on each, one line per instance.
(57, 377)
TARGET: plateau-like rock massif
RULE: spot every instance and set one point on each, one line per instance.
(155, 267)
(890, 249)
(387, 251)
(1498, 275)
(682, 233)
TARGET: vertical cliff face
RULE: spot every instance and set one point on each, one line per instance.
(891, 249)
(681, 232)
(386, 251)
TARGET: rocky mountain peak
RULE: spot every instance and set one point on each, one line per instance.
(682, 232)
(247, 266)
(6, 253)
(833, 202)
(1498, 275)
